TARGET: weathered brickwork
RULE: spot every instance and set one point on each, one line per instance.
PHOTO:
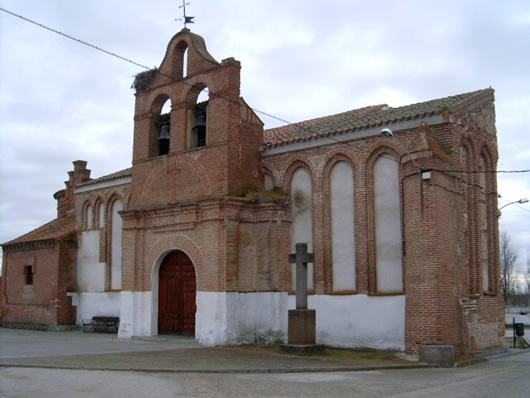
(206, 197)
(42, 300)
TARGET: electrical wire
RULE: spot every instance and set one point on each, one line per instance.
(234, 101)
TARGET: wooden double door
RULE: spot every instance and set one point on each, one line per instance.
(177, 289)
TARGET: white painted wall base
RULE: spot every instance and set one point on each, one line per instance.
(136, 311)
(359, 320)
(261, 318)
(241, 318)
(95, 304)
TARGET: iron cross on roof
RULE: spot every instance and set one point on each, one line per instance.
(185, 18)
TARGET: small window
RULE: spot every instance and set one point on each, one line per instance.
(28, 275)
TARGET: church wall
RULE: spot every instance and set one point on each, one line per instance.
(235, 247)
(342, 218)
(241, 318)
(435, 235)
(116, 245)
(137, 315)
(261, 318)
(91, 274)
(197, 174)
(100, 245)
(219, 238)
(31, 304)
(359, 320)
(89, 304)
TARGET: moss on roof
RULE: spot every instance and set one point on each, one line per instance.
(367, 117)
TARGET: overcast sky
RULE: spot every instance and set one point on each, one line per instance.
(61, 101)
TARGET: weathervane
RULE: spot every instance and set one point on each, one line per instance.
(186, 19)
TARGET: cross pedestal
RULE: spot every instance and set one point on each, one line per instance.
(301, 322)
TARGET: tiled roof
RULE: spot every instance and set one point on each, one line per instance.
(110, 177)
(52, 230)
(371, 116)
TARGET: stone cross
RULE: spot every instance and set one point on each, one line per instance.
(301, 257)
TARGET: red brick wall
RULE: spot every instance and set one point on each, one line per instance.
(31, 304)
(438, 230)
(222, 238)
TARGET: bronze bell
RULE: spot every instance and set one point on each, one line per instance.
(164, 133)
(201, 121)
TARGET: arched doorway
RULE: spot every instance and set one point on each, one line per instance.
(176, 294)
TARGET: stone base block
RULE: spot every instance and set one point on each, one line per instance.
(303, 349)
(301, 327)
(441, 355)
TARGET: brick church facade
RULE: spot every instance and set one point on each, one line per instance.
(195, 237)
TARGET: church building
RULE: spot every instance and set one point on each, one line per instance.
(398, 206)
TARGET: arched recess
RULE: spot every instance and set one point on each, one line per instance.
(487, 220)
(116, 248)
(180, 61)
(99, 218)
(87, 216)
(468, 157)
(177, 291)
(199, 97)
(387, 224)
(160, 127)
(268, 179)
(156, 255)
(301, 196)
(342, 217)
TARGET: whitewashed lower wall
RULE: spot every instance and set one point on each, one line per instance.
(249, 318)
(359, 320)
(342, 321)
(95, 304)
(136, 313)
(239, 318)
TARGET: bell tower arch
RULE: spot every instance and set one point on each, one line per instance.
(208, 123)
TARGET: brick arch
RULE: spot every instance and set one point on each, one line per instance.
(84, 214)
(271, 172)
(194, 86)
(97, 206)
(295, 163)
(333, 158)
(177, 59)
(469, 184)
(378, 150)
(158, 98)
(167, 244)
(113, 197)
(189, 164)
(489, 153)
(488, 156)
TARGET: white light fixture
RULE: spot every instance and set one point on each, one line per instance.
(388, 133)
(520, 201)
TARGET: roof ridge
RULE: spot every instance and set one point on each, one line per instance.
(109, 177)
(368, 116)
(369, 109)
(48, 230)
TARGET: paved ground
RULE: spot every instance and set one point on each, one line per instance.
(77, 350)
(73, 364)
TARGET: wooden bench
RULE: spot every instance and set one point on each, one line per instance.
(107, 324)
